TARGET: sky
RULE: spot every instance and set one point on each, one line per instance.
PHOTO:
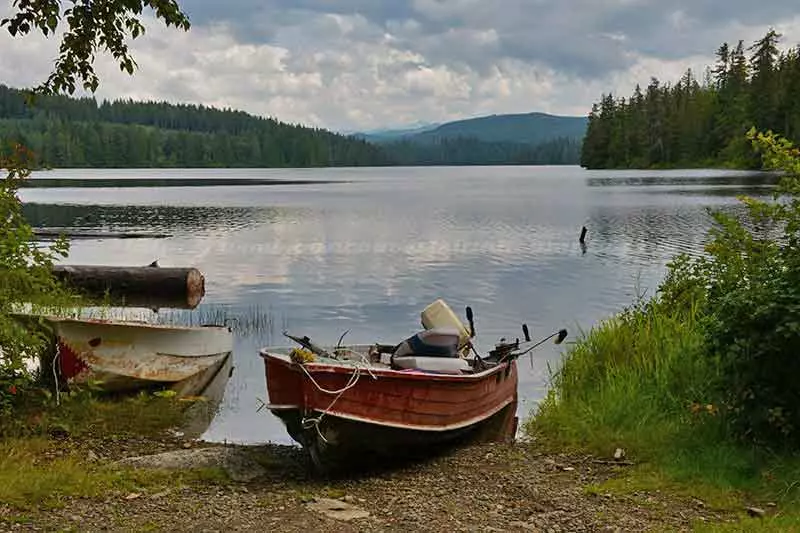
(358, 65)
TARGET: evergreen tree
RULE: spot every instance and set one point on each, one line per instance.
(694, 123)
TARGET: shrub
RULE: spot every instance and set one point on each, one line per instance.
(749, 288)
(25, 277)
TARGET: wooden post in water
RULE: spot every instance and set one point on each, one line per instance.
(150, 286)
(582, 239)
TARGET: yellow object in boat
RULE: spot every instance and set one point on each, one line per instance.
(301, 356)
(439, 315)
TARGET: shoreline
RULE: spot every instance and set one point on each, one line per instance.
(487, 487)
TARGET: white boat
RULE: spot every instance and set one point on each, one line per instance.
(119, 355)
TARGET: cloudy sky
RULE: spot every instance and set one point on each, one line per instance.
(364, 64)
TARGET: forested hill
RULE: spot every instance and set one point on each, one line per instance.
(528, 128)
(80, 132)
(512, 139)
(700, 122)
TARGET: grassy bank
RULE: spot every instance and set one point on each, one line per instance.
(49, 452)
(698, 385)
(643, 382)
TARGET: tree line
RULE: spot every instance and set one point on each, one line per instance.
(82, 132)
(472, 151)
(79, 132)
(700, 122)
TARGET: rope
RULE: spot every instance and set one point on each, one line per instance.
(309, 422)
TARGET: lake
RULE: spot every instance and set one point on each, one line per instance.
(324, 251)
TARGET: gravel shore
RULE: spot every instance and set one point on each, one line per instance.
(476, 488)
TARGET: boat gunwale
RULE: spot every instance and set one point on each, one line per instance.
(324, 368)
(134, 324)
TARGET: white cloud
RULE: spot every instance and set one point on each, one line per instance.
(365, 65)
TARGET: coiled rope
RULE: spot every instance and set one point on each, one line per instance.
(309, 422)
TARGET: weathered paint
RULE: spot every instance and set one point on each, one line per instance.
(412, 400)
(392, 414)
(125, 355)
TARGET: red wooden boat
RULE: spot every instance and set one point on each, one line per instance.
(363, 400)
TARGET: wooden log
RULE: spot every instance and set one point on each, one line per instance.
(150, 286)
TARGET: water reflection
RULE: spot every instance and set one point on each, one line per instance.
(55, 183)
(682, 178)
(369, 256)
(149, 217)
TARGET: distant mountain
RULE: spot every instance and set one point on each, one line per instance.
(522, 128)
(518, 139)
(389, 135)
(529, 128)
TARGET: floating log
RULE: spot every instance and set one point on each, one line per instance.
(45, 234)
(150, 286)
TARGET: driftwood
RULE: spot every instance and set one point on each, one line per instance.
(150, 286)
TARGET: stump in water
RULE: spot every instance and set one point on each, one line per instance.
(151, 286)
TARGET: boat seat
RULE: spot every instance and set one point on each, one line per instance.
(438, 365)
(439, 342)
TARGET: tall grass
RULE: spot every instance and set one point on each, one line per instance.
(633, 381)
(643, 381)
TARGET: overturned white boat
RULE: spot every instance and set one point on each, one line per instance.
(118, 355)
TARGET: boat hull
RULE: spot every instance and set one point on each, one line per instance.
(127, 356)
(387, 411)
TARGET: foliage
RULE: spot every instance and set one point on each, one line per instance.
(698, 383)
(92, 27)
(749, 286)
(25, 278)
(700, 122)
(80, 413)
(79, 132)
(635, 381)
(472, 151)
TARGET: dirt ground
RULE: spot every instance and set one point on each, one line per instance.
(485, 488)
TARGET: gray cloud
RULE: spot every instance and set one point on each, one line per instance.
(353, 64)
(586, 38)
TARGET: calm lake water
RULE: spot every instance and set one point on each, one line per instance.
(366, 250)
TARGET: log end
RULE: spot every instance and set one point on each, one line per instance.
(195, 288)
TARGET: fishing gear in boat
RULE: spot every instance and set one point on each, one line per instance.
(306, 343)
(513, 350)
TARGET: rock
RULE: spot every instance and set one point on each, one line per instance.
(619, 454)
(349, 499)
(567, 468)
(337, 509)
(756, 511)
(133, 496)
(91, 456)
(235, 461)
